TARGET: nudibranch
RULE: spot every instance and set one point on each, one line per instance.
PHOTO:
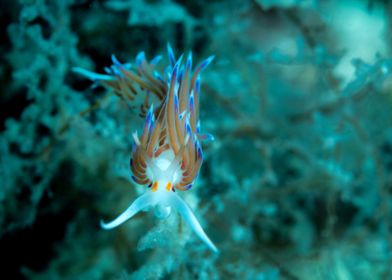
(168, 154)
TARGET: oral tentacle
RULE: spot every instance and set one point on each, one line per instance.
(185, 211)
(145, 200)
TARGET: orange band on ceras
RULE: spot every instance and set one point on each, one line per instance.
(154, 187)
(168, 187)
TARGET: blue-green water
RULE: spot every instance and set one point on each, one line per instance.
(296, 184)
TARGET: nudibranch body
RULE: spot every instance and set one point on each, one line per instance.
(168, 154)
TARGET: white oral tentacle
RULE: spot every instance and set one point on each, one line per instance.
(142, 202)
(187, 214)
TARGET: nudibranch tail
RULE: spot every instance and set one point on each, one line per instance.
(168, 154)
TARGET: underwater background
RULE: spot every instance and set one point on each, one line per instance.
(296, 185)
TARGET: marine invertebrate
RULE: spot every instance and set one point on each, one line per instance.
(168, 155)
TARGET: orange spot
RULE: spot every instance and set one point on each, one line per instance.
(168, 187)
(154, 187)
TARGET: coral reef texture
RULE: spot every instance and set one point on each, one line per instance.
(288, 172)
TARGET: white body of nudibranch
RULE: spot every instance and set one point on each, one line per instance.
(167, 157)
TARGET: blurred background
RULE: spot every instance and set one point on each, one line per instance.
(296, 185)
